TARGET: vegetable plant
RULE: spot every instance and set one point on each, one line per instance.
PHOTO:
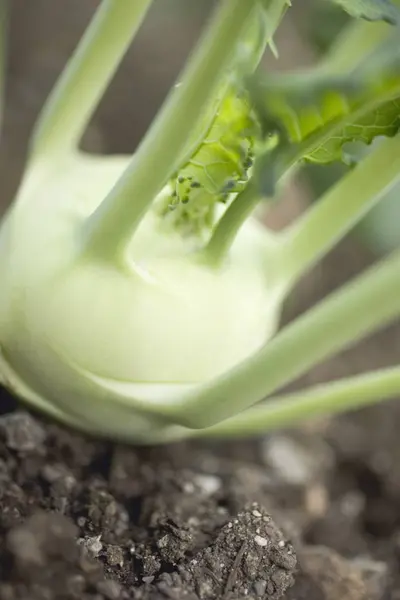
(141, 297)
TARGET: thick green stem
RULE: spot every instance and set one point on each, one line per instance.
(110, 228)
(319, 401)
(342, 207)
(355, 42)
(87, 75)
(357, 309)
(229, 225)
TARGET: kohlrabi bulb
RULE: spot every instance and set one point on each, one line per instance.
(88, 336)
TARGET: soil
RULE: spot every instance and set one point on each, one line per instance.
(307, 515)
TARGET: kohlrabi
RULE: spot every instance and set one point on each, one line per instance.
(140, 295)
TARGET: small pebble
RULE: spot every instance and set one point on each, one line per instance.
(23, 433)
(188, 487)
(260, 587)
(81, 521)
(209, 484)
(92, 545)
(115, 556)
(294, 462)
(260, 541)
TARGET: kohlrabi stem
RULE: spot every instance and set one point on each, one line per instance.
(111, 227)
(229, 225)
(319, 401)
(353, 44)
(341, 207)
(87, 75)
(360, 307)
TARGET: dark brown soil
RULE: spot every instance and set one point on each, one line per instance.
(91, 520)
(81, 519)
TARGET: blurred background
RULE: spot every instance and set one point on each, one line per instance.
(42, 35)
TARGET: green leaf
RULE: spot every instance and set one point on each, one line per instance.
(248, 54)
(218, 156)
(371, 10)
(217, 168)
(315, 113)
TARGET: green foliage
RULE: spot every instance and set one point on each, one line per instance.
(308, 116)
(371, 10)
(219, 151)
(219, 154)
(315, 113)
(219, 167)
